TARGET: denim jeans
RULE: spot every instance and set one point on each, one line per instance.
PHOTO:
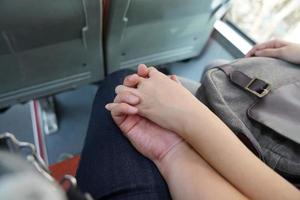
(110, 167)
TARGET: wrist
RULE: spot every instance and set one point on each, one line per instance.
(176, 155)
(192, 118)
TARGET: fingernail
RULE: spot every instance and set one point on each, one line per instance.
(132, 77)
(108, 107)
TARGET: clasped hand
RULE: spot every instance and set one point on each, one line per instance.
(150, 108)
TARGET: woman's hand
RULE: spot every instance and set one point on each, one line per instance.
(277, 49)
(147, 137)
(162, 100)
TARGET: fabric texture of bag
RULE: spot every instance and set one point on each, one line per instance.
(231, 103)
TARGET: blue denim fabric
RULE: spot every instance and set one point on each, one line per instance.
(110, 167)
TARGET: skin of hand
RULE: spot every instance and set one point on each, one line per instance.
(148, 138)
(277, 49)
(170, 106)
(166, 106)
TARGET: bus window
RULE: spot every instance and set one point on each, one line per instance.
(262, 20)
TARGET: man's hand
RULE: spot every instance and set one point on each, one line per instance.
(148, 138)
(277, 49)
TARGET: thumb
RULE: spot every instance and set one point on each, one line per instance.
(273, 53)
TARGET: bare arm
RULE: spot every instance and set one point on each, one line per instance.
(189, 177)
(223, 151)
(171, 106)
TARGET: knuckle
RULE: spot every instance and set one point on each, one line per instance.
(118, 89)
(125, 93)
(131, 77)
(121, 98)
(126, 79)
(127, 99)
(124, 97)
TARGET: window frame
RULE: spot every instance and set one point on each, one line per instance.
(233, 39)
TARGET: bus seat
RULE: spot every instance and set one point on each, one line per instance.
(156, 32)
(48, 46)
(189, 84)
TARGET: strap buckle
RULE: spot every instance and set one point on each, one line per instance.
(264, 90)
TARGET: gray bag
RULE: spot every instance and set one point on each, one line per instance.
(263, 112)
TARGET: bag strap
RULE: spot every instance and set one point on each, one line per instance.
(256, 86)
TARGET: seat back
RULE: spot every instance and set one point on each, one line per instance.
(156, 31)
(48, 46)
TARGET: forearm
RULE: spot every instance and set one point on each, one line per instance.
(190, 177)
(216, 143)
